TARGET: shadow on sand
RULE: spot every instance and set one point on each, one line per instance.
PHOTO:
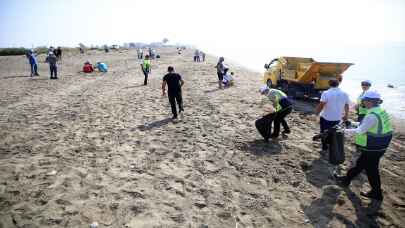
(135, 86)
(260, 147)
(16, 76)
(155, 124)
(305, 106)
(321, 211)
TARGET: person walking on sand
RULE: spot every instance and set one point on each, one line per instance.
(220, 71)
(333, 107)
(196, 55)
(360, 110)
(33, 63)
(146, 68)
(174, 83)
(372, 138)
(139, 51)
(282, 106)
(52, 60)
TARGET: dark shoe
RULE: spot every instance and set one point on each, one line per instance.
(342, 181)
(286, 132)
(174, 118)
(36, 74)
(372, 195)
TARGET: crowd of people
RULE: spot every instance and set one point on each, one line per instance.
(53, 56)
(372, 133)
(199, 56)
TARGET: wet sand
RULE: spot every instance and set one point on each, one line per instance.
(101, 147)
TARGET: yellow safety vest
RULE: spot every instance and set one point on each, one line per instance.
(279, 95)
(379, 136)
(360, 109)
(146, 64)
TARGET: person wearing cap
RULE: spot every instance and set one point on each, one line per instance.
(33, 62)
(174, 83)
(332, 108)
(282, 106)
(372, 138)
(361, 111)
(52, 60)
(220, 71)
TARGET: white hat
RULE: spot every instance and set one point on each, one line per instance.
(263, 88)
(366, 81)
(371, 95)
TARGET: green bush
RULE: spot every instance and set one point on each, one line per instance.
(12, 51)
(41, 50)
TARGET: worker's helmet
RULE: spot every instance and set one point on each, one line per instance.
(263, 89)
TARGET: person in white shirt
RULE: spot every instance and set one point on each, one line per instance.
(333, 108)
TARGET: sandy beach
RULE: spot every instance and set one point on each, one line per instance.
(102, 148)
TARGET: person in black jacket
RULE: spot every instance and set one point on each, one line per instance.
(174, 83)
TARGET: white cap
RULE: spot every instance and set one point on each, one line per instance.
(263, 88)
(366, 81)
(371, 95)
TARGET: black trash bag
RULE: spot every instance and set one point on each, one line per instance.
(263, 125)
(336, 146)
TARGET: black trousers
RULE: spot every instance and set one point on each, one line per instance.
(280, 119)
(325, 125)
(368, 161)
(54, 71)
(145, 82)
(173, 98)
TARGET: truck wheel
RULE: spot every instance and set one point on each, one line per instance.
(269, 83)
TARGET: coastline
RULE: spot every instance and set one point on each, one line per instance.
(100, 147)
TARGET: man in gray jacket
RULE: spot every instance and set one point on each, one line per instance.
(51, 60)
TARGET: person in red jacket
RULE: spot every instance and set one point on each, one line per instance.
(88, 67)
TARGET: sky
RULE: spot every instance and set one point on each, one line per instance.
(210, 24)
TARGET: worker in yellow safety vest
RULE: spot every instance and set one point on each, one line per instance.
(145, 66)
(360, 110)
(282, 106)
(372, 138)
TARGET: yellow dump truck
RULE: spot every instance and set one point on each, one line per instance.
(302, 77)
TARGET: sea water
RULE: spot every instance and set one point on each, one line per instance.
(382, 64)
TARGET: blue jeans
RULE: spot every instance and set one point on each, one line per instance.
(34, 69)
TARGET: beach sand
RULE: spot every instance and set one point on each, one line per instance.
(102, 148)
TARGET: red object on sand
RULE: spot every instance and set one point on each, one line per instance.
(88, 68)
